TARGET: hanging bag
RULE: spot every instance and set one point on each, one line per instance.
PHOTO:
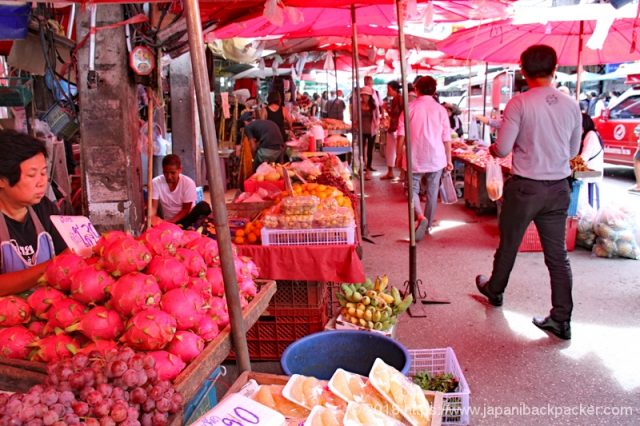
(495, 181)
(447, 189)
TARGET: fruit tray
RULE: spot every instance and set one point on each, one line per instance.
(455, 410)
(314, 236)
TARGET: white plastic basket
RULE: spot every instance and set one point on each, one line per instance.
(308, 237)
(455, 407)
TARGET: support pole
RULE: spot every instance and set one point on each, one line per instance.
(149, 154)
(580, 48)
(413, 284)
(484, 97)
(356, 103)
(216, 187)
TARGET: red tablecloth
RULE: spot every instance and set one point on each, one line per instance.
(306, 263)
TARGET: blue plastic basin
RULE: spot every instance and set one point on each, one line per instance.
(321, 354)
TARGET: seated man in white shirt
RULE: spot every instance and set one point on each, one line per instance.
(175, 194)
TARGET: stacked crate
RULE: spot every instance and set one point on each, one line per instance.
(298, 308)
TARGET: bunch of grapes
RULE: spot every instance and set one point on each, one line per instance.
(119, 387)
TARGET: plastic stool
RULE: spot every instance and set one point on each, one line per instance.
(594, 189)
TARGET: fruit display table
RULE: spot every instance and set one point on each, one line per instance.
(337, 263)
(193, 377)
(19, 376)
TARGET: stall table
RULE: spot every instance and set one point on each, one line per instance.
(331, 263)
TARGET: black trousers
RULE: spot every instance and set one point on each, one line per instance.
(545, 203)
(370, 141)
(199, 210)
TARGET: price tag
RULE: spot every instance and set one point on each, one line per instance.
(78, 232)
(238, 410)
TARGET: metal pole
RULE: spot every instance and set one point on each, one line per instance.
(484, 96)
(149, 154)
(580, 47)
(72, 18)
(335, 69)
(407, 144)
(216, 187)
(356, 101)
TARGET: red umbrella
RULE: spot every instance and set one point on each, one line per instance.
(502, 42)
(370, 13)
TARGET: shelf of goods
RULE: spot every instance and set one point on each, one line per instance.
(19, 376)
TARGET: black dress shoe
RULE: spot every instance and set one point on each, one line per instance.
(482, 285)
(561, 329)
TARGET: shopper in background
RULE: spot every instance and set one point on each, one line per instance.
(368, 82)
(370, 123)
(315, 106)
(274, 111)
(336, 107)
(394, 109)
(454, 119)
(28, 239)
(591, 147)
(636, 169)
(323, 104)
(174, 197)
(430, 139)
(542, 128)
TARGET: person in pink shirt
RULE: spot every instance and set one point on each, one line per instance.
(430, 137)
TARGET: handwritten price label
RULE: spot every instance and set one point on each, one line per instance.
(238, 410)
(77, 232)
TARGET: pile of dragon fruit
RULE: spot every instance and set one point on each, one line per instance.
(119, 386)
(162, 292)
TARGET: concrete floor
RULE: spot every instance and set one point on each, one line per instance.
(516, 372)
(518, 375)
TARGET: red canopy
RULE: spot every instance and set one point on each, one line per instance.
(502, 42)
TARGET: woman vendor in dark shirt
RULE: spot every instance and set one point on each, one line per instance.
(28, 239)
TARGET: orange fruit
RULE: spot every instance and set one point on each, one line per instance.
(238, 240)
(240, 233)
(252, 238)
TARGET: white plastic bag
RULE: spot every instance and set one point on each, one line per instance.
(615, 228)
(495, 182)
(447, 189)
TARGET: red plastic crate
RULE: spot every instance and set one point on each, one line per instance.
(531, 240)
(277, 328)
(299, 294)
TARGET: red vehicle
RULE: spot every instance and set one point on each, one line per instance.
(619, 128)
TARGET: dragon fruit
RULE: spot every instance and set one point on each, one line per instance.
(207, 328)
(188, 237)
(13, 311)
(42, 299)
(214, 276)
(125, 255)
(54, 348)
(167, 365)
(149, 330)
(89, 285)
(99, 323)
(15, 342)
(106, 239)
(37, 328)
(186, 345)
(99, 346)
(60, 269)
(248, 289)
(163, 239)
(185, 305)
(202, 287)
(218, 311)
(250, 267)
(169, 271)
(195, 264)
(64, 313)
(208, 249)
(135, 292)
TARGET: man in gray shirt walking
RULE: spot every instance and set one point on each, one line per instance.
(542, 127)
